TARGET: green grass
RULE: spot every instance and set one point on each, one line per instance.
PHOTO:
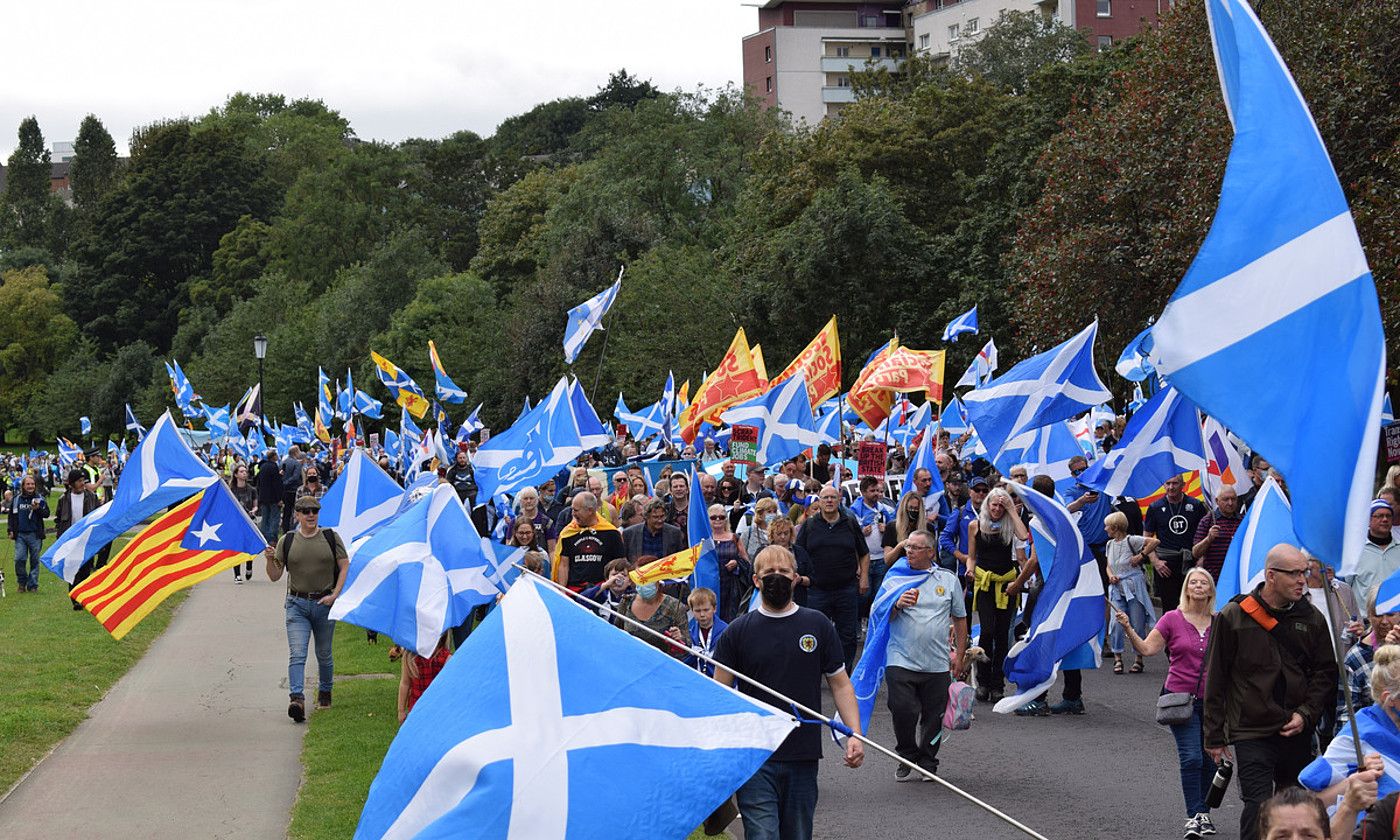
(58, 663)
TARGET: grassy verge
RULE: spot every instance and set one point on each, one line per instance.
(58, 663)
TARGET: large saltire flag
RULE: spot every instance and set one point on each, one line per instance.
(733, 381)
(401, 386)
(193, 541)
(1161, 441)
(906, 371)
(362, 498)
(1280, 289)
(536, 447)
(1050, 386)
(527, 730)
(820, 362)
(783, 419)
(872, 405)
(160, 472)
(447, 390)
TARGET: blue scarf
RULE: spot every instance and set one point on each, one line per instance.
(870, 670)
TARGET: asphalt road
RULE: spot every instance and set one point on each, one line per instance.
(1111, 773)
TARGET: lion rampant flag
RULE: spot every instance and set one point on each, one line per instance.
(906, 371)
(735, 380)
(671, 567)
(820, 360)
(322, 433)
(193, 541)
(872, 404)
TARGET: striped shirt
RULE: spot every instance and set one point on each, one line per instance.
(1214, 558)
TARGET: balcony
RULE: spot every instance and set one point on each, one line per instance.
(832, 95)
(844, 64)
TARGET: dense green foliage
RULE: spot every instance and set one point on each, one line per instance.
(1045, 182)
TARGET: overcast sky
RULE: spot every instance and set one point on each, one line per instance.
(413, 68)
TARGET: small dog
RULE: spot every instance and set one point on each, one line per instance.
(972, 656)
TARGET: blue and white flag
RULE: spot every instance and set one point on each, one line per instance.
(964, 324)
(367, 406)
(953, 420)
(924, 459)
(698, 530)
(324, 396)
(1045, 451)
(1267, 523)
(84, 426)
(473, 422)
(132, 425)
(185, 397)
(592, 434)
(418, 576)
(828, 427)
(1133, 363)
(587, 317)
(541, 443)
(1388, 596)
(162, 471)
(984, 364)
(363, 497)
(1069, 612)
(668, 407)
(545, 707)
(784, 420)
(1161, 441)
(1138, 400)
(1387, 412)
(648, 421)
(68, 452)
(1280, 290)
(1378, 735)
(1050, 386)
(869, 672)
(915, 423)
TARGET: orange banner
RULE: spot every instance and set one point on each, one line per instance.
(672, 566)
(872, 404)
(760, 366)
(906, 371)
(735, 380)
(821, 361)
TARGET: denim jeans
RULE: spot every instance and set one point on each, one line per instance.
(1197, 768)
(271, 519)
(778, 802)
(27, 561)
(842, 606)
(306, 618)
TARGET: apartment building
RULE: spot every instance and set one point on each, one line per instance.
(941, 27)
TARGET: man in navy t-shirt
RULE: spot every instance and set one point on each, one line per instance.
(789, 649)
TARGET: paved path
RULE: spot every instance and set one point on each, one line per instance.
(193, 742)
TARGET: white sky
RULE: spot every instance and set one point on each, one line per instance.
(412, 68)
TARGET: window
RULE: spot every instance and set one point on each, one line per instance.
(768, 85)
(870, 21)
(843, 81)
(971, 28)
(874, 52)
(1105, 41)
(843, 52)
(767, 55)
(923, 42)
(953, 32)
(1105, 8)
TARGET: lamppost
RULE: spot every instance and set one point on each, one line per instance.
(260, 352)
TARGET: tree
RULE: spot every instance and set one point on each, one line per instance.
(93, 171)
(35, 335)
(623, 90)
(25, 204)
(453, 179)
(1017, 45)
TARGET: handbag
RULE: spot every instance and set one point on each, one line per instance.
(1175, 707)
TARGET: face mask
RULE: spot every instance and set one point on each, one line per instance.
(647, 591)
(777, 590)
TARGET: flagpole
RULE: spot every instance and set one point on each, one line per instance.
(1330, 597)
(607, 320)
(811, 713)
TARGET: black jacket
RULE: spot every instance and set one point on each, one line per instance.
(269, 483)
(65, 516)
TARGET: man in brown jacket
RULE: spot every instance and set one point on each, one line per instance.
(1271, 673)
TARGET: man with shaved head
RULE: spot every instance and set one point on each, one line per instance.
(1270, 674)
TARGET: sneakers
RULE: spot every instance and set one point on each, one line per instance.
(296, 709)
(1192, 831)
(902, 773)
(1035, 708)
(1203, 823)
(323, 699)
(237, 578)
(1068, 707)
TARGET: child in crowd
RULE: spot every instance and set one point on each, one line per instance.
(705, 629)
(418, 672)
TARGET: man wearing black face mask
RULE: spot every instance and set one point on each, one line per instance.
(788, 648)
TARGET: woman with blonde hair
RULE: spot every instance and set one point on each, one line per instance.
(1126, 554)
(1184, 633)
(754, 536)
(909, 517)
(993, 560)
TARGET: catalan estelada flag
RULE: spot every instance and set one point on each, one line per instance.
(197, 539)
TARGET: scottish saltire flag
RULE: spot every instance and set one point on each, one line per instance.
(391, 445)
(587, 317)
(180, 386)
(535, 448)
(367, 406)
(84, 426)
(1378, 735)
(953, 420)
(1133, 363)
(1045, 451)
(400, 385)
(964, 324)
(1138, 400)
(1388, 597)
(1268, 522)
(592, 434)
(473, 422)
(447, 391)
(409, 436)
(360, 499)
(700, 533)
(668, 407)
(1387, 412)
(304, 423)
(984, 364)
(68, 452)
(914, 424)
(1281, 286)
(324, 395)
(923, 459)
(1161, 441)
(529, 728)
(161, 471)
(1069, 612)
(419, 576)
(345, 398)
(828, 427)
(1224, 463)
(784, 420)
(869, 672)
(112, 450)
(133, 425)
(1050, 386)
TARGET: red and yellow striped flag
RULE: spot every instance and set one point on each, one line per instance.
(149, 569)
(1192, 488)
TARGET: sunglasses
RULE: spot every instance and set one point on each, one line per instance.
(720, 516)
(308, 510)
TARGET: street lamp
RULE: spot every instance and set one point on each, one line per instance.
(260, 353)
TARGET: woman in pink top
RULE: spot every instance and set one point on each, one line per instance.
(1184, 633)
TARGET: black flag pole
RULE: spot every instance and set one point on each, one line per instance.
(607, 319)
